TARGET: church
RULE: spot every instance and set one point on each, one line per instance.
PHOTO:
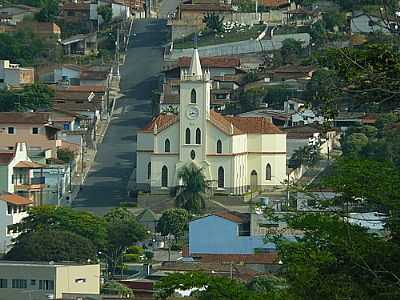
(236, 154)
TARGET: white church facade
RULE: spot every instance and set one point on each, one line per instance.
(235, 153)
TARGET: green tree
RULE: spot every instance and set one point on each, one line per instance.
(117, 288)
(48, 12)
(45, 217)
(173, 221)
(65, 154)
(52, 245)
(291, 49)
(214, 22)
(105, 12)
(334, 20)
(250, 99)
(122, 231)
(191, 195)
(353, 144)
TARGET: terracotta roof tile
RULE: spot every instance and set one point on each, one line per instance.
(82, 88)
(233, 216)
(76, 6)
(223, 124)
(15, 199)
(257, 258)
(274, 3)
(24, 117)
(211, 62)
(258, 125)
(163, 121)
(93, 75)
(28, 165)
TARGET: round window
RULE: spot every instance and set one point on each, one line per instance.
(192, 154)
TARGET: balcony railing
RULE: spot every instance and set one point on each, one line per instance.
(33, 183)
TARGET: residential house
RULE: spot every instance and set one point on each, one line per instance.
(17, 174)
(80, 44)
(301, 17)
(287, 72)
(71, 74)
(12, 210)
(346, 119)
(86, 100)
(44, 30)
(12, 14)
(192, 10)
(14, 75)
(21, 280)
(33, 128)
(82, 13)
(93, 76)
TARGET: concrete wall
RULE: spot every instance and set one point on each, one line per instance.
(249, 46)
(215, 235)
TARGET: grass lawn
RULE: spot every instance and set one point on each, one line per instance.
(226, 37)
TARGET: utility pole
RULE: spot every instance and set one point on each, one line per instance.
(117, 55)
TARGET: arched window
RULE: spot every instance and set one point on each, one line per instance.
(149, 170)
(167, 146)
(219, 146)
(187, 136)
(198, 136)
(192, 154)
(268, 172)
(164, 177)
(193, 96)
(221, 177)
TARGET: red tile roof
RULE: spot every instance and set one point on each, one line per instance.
(82, 88)
(257, 258)
(28, 165)
(15, 199)
(93, 75)
(24, 117)
(211, 62)
(258, 125)
(163, 121)
(274, 3)
(223, 124)
(76, 6)
(233, 216)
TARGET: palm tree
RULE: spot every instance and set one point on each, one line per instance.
(191, 195)
(214, 22)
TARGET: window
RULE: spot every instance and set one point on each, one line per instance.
(9, 209)
(164, 177)
(219, 146)
(71, 13)
(221, 179)
(3, 283)
(80, 280)
(187, 136)
(198, 136)
(33, 282)
(268, 172)
(149, 170)
(167, 146)
(47, 285)
(19, 284)
(10, 229)
(193, 96)
(11, 130)
(192, 154)
(35, 130)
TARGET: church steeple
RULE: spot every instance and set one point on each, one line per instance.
(195, 66)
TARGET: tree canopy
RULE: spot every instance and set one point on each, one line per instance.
(173, 221)
(52, 245)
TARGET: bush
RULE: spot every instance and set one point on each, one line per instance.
(65, 154)
(131, 258)
(135, 250)
(128, 204)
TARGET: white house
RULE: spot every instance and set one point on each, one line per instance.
(14, 74)
(12, 210)
(235, 153)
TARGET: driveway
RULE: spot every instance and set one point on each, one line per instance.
(106, 184)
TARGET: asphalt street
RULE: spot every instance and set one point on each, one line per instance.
(106, 184)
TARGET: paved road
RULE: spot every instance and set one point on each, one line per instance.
(106, 183)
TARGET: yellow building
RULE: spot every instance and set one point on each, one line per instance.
(42, 281)
(235, 153)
